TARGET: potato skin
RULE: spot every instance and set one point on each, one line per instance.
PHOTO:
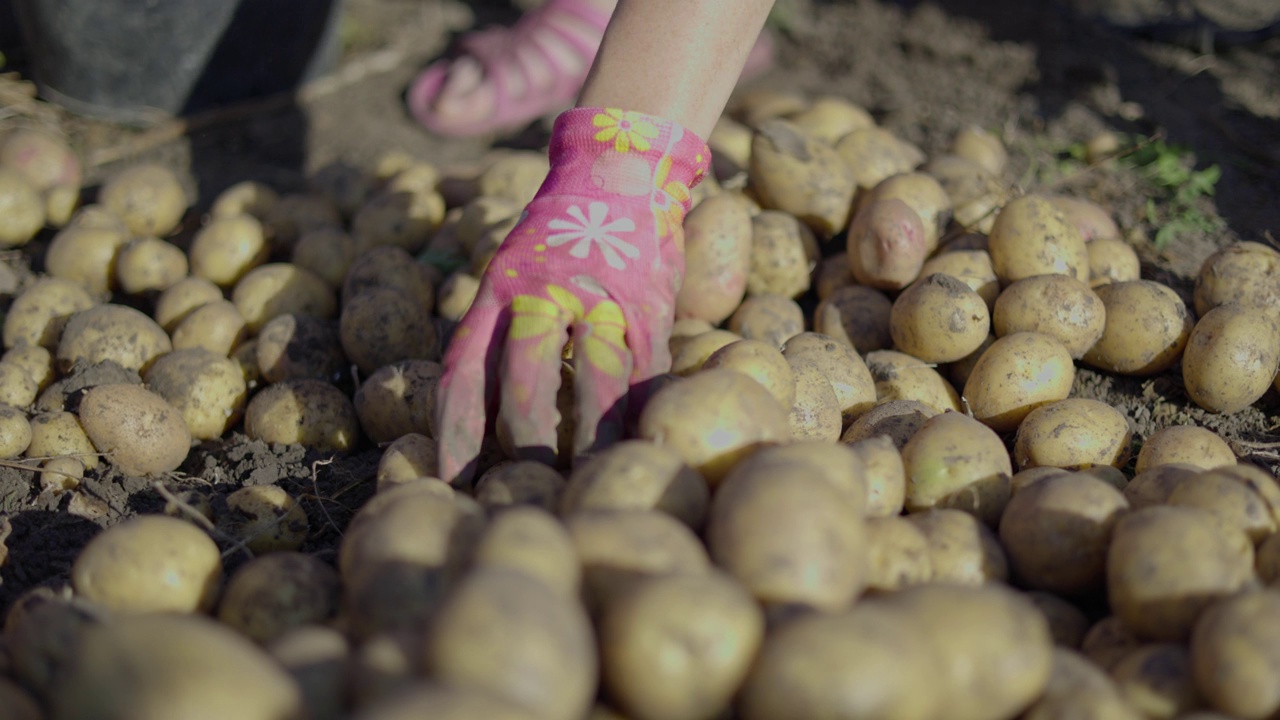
(1146, 330)
(150, 563)
(279, 288)
(1075, 434)
(1184, 444)
(634, 474)
(39, 314)
(1017, 374)
(957, 462)
(899, 376)
(1247, 273)
(847, 373)
(1057, 305)
(1112, 260)
(857, 315)
(717, 247)
(226, 248)
(1231, 358)
(768, 317)
(273, 594)
(939, 319)
(307, 412)
(762, 362)
(149, 198)
(1233, 655)
(1031, 237)
(206, 388)
(886, 245)
(801, 175)
(112, 332)
(140, 432)
(962, 550)
(783, 255)
(923, 194)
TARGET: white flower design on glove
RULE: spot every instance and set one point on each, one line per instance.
(585, 230)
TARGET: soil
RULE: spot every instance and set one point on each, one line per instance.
(1045, 77)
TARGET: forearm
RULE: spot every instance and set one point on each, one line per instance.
(678, 59)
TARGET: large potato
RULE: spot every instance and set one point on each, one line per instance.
(717, 250)
(1031, 237)
(899, 554)
(815, 413)
(306, 412)
(1247, 273)
(857, 315)
(139, 432)
(39, 314)
(939, 319)
(971, 267)
(149, 563)
(1076, 434)
(1017, 374)
(841, 466)
(899, 376)
(1234, 657)
(207, 389)
(886, 245)
(280, 288)
(112, 332)
(1090, 219)
(801, 175)
(60, 433)
(1184, 444)
(1146, 330)
(954, 461)
(1057, 305)
(634, 474)
(15, 432)
(1112, 260)
(783, 255)
(1231, 358)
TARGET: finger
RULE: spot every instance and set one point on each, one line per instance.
(602, 377)
(530, 372)
(648, 337)
(467, 389)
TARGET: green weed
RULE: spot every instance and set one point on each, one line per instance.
(1171, 170)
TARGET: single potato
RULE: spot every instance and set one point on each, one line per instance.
(954, 461)
(939, 319)
(1231, 358)
(149, 564)
(1188, 444)
(1031, 237)
(1016, 375)
(1146, 330)
(1075, 434)
(1057, 305)
(136, 429)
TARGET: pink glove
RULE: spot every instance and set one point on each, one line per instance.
(598, 253)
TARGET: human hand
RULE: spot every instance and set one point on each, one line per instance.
(598, 254)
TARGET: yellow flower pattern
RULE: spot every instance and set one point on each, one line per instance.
(668, 200)
(626, 130)
(544, 318)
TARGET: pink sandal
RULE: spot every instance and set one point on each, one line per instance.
(497, 50)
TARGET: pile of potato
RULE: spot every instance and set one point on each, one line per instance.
(887, 507)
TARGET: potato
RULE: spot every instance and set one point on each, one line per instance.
(962, 550)
(398, 399)
(21, 207)
(975, 194)
(761, 361)
(1031, 237)
(1067, 623)
(227, 248)
(217, 327)
(899, 554)
(149, 265)
(400, 217)
(1075, 434)
(1231, 358)
(733, 414)
(15, 433)
(1112, 260)
(768, 318)
(1146, 330)
(280, 288)
(86, 256)
(455, 296)
(158, 666)
(1231, 502)
(802, 176)
(1156, 680)
(1165, 565)
(328, 252)
(939, 319)
(993, 645)
(343, 185)
(515, 176)
(830, 118)
(634, 474)
(149, 198)
(319, 660)
(17, 389)
(896, 419)
(875, 153)
(181, 299)
(381, 326)
(840, 466)
(972, 267)
(1108, 641)
(1056, 532)
(37, 315)
(35, 360)
(1078, 688)
(1090, 219)
(717, 246)
(885, 475)
(43, 157)
(519, 482)
(1153, 485)
(831, 274)
(111, 332)
(1263, 482)
(1247, 273)
(543, 654)
(923, 194)
(272, 595)
(149, 563)
(443, 702)
(60, 474)
(1017, 374)
(265, 519)
(783, 255)
(55, 434)
(856, 315)
(531, 541)
(899, 376)
(1056, 305)
(389, 267)
(307, 412)
(886, 244)
(816, 555)
(135, 428)
(409, 457)
(207, 389)
(1188, 444)
(854, 387)
(815, 413)
(1233, 655)
(42, 629)
(294, 214)
(954, 461)
(688, 354)
(730, 143)
(981, 147)
(247, 197)
(291, 347)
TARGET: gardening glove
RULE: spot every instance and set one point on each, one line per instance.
(598, 254)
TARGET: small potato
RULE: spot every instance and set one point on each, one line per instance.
(208, 389)
(1056, 532)
(217, 327)
(1056, 305)
(149, 198)
(248, 197)
(768, 318)
(61, 474)
(1246, 273)
(1017, 374)
(111, 332)
(227, 248)
(717, 248)
(962, 550)
(404, 218)
(971, 267)
(381, 326)
(1233, 655)
(1031, 237)
(38, 315)
(21, 207)
(689, 354)
(975, 194)
(272, 595)
(899, 554)
(36, 360)
(389, 267)
(56, 434)
(679, 646)
(15, 432)
(730, 143)
(532, 541)
(847, 373)
(266, 519)
(483, 214)
(885, 475)
(1154, 485)
(1075, 434)
(1146, 330)
(802, 176)
(398, 399)
(923, 194)
(1231, 358)
(896, 419)
(181, 299)
(981, 147)
(1166, 565)
(899, 376)
(783, 255)
(544, 658)
(17, 389)
(1231, 502)
(637, 475)
(409, 457)
(279, 288)
(306, 412)
(1089, 218)
(1112, 260)
(517, 483)
(147, 564)
(515, 176)
(1067, 622)
(86, 256)
(455, 295)
(293, 347)
(149, 265)
(886, 245)
(831, 117)
(939, 319)
(1188, 444)
(327, 252)
(954, 461)
(761, 361)
(856, 315)
(136, 429)
(733, 413)
(875, 153)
